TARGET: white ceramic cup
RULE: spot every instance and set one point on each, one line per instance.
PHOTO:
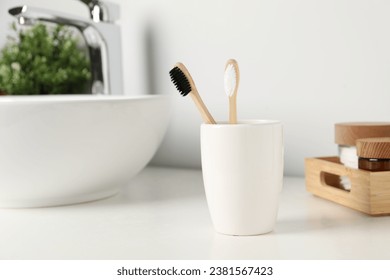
(242, 167)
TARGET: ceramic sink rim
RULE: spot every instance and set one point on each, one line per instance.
(67, 149)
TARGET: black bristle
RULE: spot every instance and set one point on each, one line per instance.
(180, 81)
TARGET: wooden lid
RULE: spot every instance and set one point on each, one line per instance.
(348, 133)
(374, 147)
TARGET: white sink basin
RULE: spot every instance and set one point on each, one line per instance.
(57, 150)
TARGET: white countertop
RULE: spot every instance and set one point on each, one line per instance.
(162, 214)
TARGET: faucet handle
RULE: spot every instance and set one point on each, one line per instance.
(102, 11)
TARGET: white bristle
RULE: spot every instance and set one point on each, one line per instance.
(230, 80)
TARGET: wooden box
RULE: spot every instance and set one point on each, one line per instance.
(370, 191)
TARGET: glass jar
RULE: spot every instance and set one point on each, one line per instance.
(346, 135)
(374, 154)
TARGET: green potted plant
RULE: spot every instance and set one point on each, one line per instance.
(42, 60)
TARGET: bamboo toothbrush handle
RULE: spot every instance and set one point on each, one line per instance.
(206, 116)
(232, 80)
(233, 109)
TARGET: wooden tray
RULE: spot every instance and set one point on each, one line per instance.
(370, 191)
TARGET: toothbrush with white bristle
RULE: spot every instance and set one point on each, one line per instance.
(232, 79)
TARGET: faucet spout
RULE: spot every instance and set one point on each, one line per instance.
(102, 52)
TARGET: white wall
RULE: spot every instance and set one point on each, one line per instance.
(309, 63)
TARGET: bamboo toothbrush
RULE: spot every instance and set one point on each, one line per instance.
(232, 79)
(182, 79)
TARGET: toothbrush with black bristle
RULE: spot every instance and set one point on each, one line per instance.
(232, 79)
(182, 79)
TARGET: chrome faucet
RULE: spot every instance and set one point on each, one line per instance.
(101, 35)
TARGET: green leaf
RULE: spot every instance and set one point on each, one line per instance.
(43, 60)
